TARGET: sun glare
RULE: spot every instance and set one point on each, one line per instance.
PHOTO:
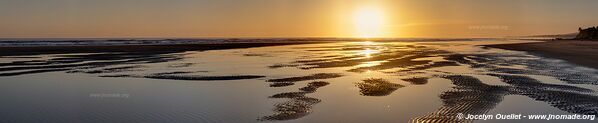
(368, 43)
(369, 22)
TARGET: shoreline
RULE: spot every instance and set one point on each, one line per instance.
(578, 52)
(32, 47)
(40, 50)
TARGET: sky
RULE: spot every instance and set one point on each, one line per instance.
(292, 18)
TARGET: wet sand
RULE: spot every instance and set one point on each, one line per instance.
(329, 82)
(583, 53)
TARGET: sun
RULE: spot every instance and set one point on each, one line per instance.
(369, 22)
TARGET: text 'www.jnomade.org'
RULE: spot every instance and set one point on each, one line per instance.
(521, 117)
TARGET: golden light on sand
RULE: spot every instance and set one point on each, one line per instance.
(369, 22)
(370, 64)
(368, 52)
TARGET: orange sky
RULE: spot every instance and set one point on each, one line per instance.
(291, 18)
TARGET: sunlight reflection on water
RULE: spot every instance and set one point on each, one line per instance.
(333, 82)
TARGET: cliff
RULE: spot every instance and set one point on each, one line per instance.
(588, 34)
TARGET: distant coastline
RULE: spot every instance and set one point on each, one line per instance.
(118, 42)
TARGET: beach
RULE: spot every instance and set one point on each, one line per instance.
(298, 61)
(340, 81)
(583, 53)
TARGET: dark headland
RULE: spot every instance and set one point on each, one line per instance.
(581, 50)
